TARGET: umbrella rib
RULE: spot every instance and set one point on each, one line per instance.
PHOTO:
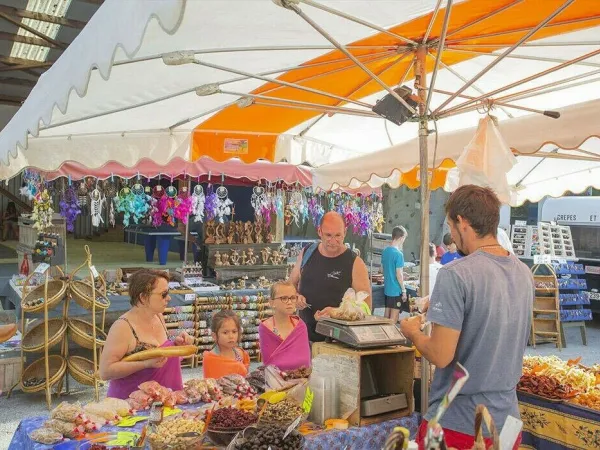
(209, 51)
(506, 53)
(280, 82)
(522, 81)
(521, 30)
(352, 112)
(354, 91)
(351, 18)
(205, 113)
(523, 57)
(341, 48)
(431, 22)
(464, 80)
(528, 44)
(438, 57)
(520, 182)
(479, 20)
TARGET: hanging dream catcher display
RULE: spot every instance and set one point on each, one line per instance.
(183, 205)
(224, 204)
(159, 205)
(198, 200)
(134, 207)
(69, 208)
(32, 184)
(211, 204)
(316, 210)
(42, 211)
(110, 192)
(258, 199)
(378, 219)
(296, 209)
(97, 205)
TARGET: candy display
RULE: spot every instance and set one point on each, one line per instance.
(206, 390)
(237, 386)
(226, 418)
(269, 437)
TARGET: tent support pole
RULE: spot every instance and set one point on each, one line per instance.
(421, 84)
(187, 228)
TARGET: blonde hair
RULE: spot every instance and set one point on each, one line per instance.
(278, 284)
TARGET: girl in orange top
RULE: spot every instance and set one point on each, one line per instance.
(226, 357)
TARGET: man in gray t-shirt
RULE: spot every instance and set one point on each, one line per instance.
(480, 309)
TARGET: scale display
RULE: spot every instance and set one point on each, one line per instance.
(369, 333)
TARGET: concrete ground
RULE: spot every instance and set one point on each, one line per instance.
(20, 405)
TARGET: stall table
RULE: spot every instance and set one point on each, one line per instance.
(551, 425)
(365, 438)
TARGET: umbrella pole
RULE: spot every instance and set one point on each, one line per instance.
(187, 228)
(421, 84)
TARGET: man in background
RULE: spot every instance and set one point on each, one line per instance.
(392, 261)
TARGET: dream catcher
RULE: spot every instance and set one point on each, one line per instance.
(110, 192)
(211, 204)
(198, 200)
(224, 204)
(32, 184)
(316, 210)
(378, 219)
(296, 209)
(69, 208)
(183, 205)
(258, 199)
(134, 207)
(159, 205)
(42, 211)
(96, 206)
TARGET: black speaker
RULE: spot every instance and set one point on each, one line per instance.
(391, 109)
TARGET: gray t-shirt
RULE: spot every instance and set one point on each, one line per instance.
(488, 298)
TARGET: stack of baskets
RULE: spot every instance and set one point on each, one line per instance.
(43, 335)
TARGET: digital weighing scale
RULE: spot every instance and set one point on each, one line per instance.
(371, 332)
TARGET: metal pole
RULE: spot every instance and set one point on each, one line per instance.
(187, 227)
(421, 84)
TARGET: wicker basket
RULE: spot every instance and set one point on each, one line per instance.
(56, 292)
(81, 333)
(82, 370)
(58, 367)
(34, 338)
(82, 293)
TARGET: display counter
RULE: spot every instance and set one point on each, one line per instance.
(549, 425)
(364, 438)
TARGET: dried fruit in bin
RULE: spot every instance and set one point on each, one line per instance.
(226, 418)
(545, 386)
(589, 400)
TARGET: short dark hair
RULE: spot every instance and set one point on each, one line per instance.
(142, 283)
(432, 250)
(220, 317)
(398, 232)
(477, 205)
(447, 239)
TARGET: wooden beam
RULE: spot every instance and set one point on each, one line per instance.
(93, 2)
(4, 36)
(25, 67)
(24, 206)
(32, 30)
(22, 61)
(11, 100)
(12, 81)
(9, 10)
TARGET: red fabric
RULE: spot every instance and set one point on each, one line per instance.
(439, 253)
(456, 440)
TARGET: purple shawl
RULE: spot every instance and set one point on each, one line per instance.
(289, 354)
(168, 376)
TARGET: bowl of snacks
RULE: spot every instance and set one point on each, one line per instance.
(177, 433)
(225, 423)
(109, 441)
(268, 437)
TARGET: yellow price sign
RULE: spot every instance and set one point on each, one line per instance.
(308, 400)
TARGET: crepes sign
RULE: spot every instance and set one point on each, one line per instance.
(235, 146)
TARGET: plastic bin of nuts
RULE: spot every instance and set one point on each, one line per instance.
(177, 433)
(268, 438)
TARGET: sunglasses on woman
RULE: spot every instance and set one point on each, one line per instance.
(163, 294)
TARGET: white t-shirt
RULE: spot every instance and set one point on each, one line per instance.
(434, 268)
(504, 240)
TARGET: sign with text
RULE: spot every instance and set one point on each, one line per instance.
(235, 146)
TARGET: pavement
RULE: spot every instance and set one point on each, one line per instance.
(20, 405)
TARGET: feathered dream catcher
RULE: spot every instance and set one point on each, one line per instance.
(316, 210)
(183, 205)
(42, 211)
(134, 207)
(211, 204)
(224, 204)
(97, 205)
(110, 192)
(297, 208)
(69, 208)
(32, 183)
(198, 200)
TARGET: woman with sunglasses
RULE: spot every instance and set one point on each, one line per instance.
(142, 328)
(283, 337)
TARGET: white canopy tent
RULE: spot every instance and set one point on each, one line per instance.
(563, 158)
(111, 96)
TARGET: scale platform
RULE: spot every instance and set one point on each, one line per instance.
(371, 332)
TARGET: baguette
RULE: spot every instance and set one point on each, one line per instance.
(163, 352)
(7, 331)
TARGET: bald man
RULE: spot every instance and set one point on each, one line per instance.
(324, 271)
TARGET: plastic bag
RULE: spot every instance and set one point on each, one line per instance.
(141, 398)
(353, 306)
(68, 412)
(46, 436)
(67, 429)
(151, 388)
(102, 410)
(121, 407)
(181, 398)
(275, 381)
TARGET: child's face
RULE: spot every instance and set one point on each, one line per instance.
(452, 248)
(285, 300)
(228, 335)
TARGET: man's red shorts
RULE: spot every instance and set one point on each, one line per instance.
(456, 440)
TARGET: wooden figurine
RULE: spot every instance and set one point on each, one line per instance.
(258, 232)
(225, 259)
(242, 283)
(266, 255)
(220, 234)
(210, 232)
(239, 232)
(235, 258)
(218, 261)
(231, 233)
(275, 259)
(251, 258)
(248, 229)
(244, 258)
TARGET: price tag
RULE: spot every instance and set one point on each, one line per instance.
(190, 297)
(542, 259)
(41, 268)
(167, 411)
(308, 400)
(94, 271)
(521, 223)
(131, 421)
(292, 427)
(125, 438)
(510, 431)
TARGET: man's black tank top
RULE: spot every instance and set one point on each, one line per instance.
(324, 281)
